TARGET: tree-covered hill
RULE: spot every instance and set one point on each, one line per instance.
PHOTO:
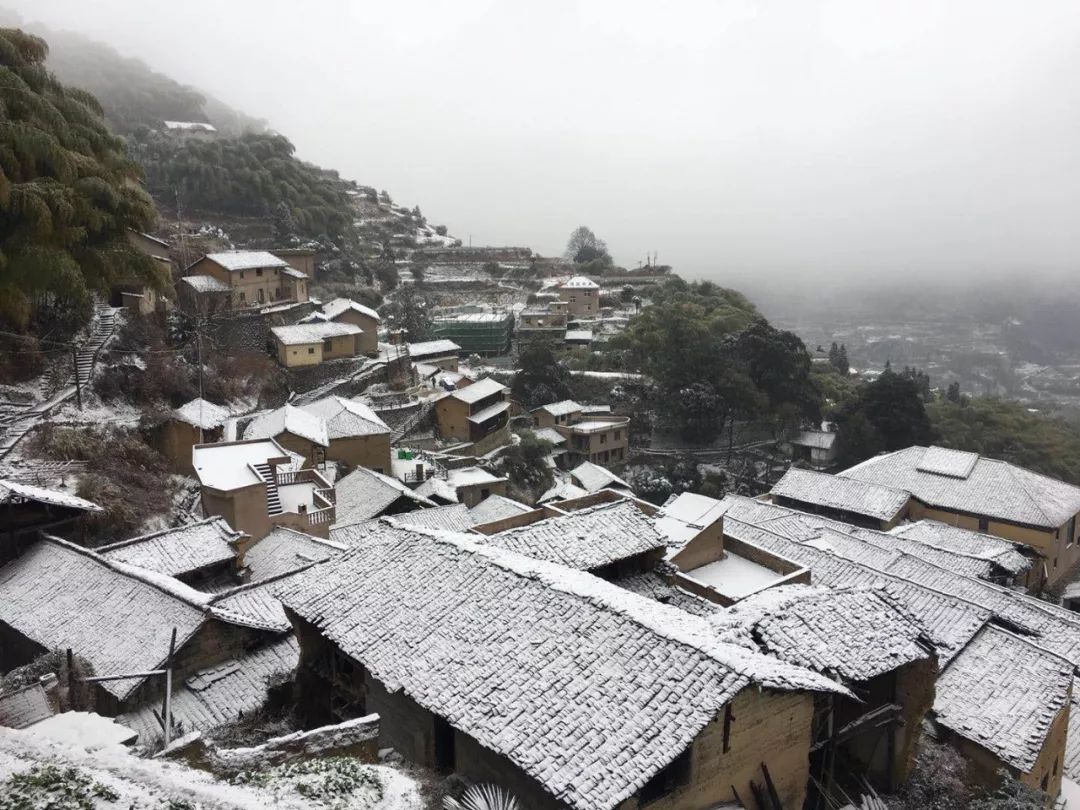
(68, 194)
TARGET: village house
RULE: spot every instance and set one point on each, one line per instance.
(345, 310)
(595, 437)
(26, 511)
(581, 297)
(120, 618)
(866, 639)
(309, 344)
(815, 447)
(473, 413)
(442, 353)
(953, 607)
(484, 333)
(365, 494)
(465, 485)
(985, 495)
(544, 677)
(254, 277)
(294, 429)
(257, 484)
(357, 436)
(194, 422)
(862, 504)
(1005, 701)
(191, 129)
(497, 507)
(138, 296)
(302, 259)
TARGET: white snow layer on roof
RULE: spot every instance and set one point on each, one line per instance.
(943, 461)
(289, 419)
(853, 633)
(118, 617)
(580, 283)
(497, 507)
(478, 390)
(584, 539)
(346, 418)
(246, 259)
(227, 465)
(821, 489)
(303, 333)
(562, 491)
(453, 517)
(553, 668)
(332, 309)
(1003, 693)
(284, 550)
(562, 408)
(364, 494)
(593, 477)
(432, 348)
(1003, 553)
(182, 550)
(489, 412)
(993, 488)
(204, 284)
(952, 608)
(202, 414)
(684, 517)
(204, 126)
(12, 492)
(817, 439)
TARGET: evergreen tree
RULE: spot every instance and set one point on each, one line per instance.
(842, 364)
(541, 378)
(68, 193)
(834, 354)
(952, 393)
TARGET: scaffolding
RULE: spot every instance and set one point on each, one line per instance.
(487, 334)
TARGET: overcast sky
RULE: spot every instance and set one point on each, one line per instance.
(855, 137)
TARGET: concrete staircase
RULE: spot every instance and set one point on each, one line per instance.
(103, 326)
(273, 498)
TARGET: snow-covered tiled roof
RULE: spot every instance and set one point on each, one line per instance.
(684, 516)
(202, 414)
(586, 538)
(206, 284)
(554, 669)
(1055, 628)
(284, 550)
(220, 694)
(333, 309)
(433, 348)
(246, 259)
(289, 419)
(820, 489)
(1071, 765)
(439, 489)
(292, 272)
(550, 435)
(993, 488)
(454, 517)
(497, 507)
(118, 617)
(581, 335)
(347, 418)
(478, 390)
(593, 477)
(562, 408)
(562, 491)
(1003, 693)
(580, 283)
(182, 550)
(817, 439)
(489, 412)
(1002, 553)
(853, 634)
(23, 707)
(364, 494)
(13, 492)
(653, 586)
(303, 333)
(201, 126)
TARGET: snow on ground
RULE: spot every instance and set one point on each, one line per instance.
(112, 778)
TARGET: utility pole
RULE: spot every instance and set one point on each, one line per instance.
(198, 351)
(167, 708)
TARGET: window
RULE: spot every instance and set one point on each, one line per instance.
(243, 297)
(618, 435)
(258, 271)
(984, 524)
(1045, 783)
(484, 493)
(603, 438)
(311, 350)
(327, 345)
(1055, 767)
(1071, 529)
(729, 718)
(674, 775)
(262, 295)
(241, 274)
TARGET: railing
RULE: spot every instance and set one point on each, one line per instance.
(320, 516)
(305, 476)
(328, 495)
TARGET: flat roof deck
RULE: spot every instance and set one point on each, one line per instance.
(735, 577)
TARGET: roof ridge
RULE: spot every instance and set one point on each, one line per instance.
(1026, 640)
(1012, 470)
(252, 586)
(136, 573)
(688, 630)
(151, 535)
